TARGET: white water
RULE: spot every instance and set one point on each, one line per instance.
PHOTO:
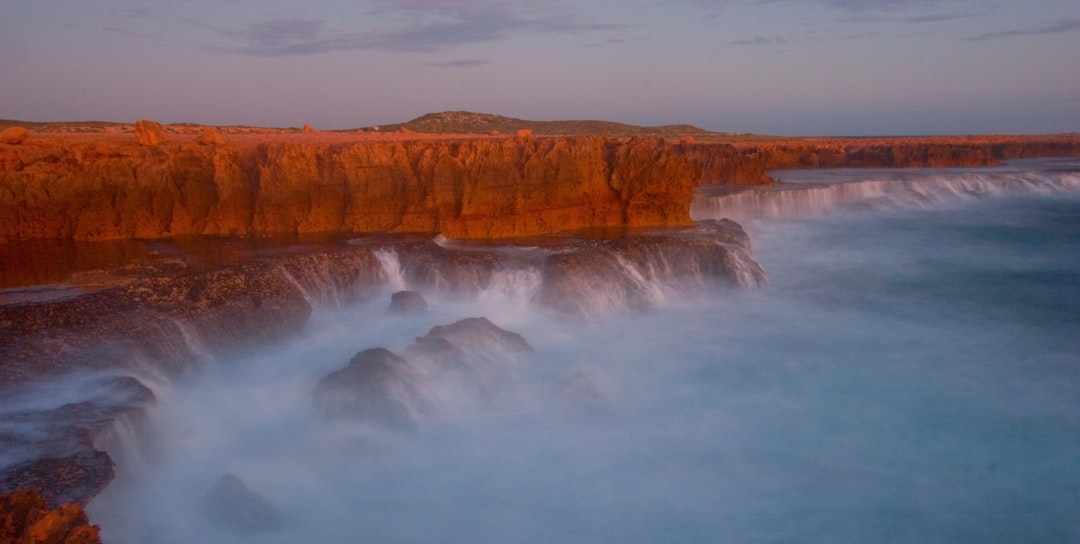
(823, 192)
(907, 376)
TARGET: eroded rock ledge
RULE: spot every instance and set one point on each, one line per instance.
(168, 317)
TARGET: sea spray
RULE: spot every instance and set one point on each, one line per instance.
(906, 375)
(827, 191)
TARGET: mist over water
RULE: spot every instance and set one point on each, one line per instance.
(910, 373)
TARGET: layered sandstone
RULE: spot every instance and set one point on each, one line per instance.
(98, 189)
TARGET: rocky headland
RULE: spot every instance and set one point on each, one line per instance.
(406, 207)
(153, 184)
(113, 187)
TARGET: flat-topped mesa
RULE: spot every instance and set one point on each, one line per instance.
(473, 188)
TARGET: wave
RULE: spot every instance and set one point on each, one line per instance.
(791, 200)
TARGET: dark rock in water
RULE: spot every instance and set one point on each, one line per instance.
(407, 303)
(479, 334)
(54, 449)
(233, 504)
(437, 350)
(377, 387)
(633, 272)
(592, 282)
(584, 394)
(472, 353)
(75, 478)
(158, 318)
(25, 518)
(433, 266)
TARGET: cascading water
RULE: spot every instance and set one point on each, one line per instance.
(906, 375)
(826, 191)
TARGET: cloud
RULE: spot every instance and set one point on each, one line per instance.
(890, 17)
(463, 63)
(762, 40)
(938, 17)
(805, 37)
(133, 13)
(405, 25)
(886, 5)
(1058, 27)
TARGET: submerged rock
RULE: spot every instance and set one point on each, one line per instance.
(469, 356)
(376, 387)
(26, 518)
(230, 502)
(583, 394)
(407, 303)
(477, 335)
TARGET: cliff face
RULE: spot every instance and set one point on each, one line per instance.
(937, 152)
(100, 189)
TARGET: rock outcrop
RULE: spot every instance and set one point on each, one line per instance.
(475, 188)
(56, 450)
(149, 133)
(25, 518)
(406, 303)
(634, 272)
(14, 135)
(232, 504)
(210, 136)
(376, 387)
(479, 336)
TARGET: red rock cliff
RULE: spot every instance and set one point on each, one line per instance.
(96, 189)
(931, 151)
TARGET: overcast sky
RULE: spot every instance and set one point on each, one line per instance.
(830, 67)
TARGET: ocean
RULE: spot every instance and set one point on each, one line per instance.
(910, 373)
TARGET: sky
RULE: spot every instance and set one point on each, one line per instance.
(788, 67)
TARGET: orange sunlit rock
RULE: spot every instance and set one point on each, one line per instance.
(14, 135)
(149, 133)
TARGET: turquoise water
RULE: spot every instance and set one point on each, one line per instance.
(910, 374)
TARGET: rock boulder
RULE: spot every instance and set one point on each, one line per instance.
(14, 135)
(149, 133)
(25, 518)
(210, 136)
(407, 303)
(376, 387)
(231, 503)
